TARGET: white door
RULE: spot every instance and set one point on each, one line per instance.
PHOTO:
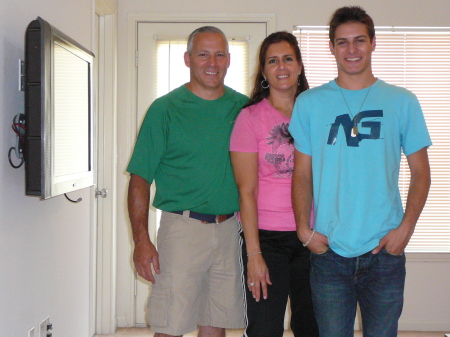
(148, 34)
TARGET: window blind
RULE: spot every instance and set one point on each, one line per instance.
(417, 59)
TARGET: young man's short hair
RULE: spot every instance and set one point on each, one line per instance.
(351, 14)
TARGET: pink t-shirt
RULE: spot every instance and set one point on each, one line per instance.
(261, 128)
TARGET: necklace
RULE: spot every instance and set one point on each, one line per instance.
(285, 111)
(355, 124)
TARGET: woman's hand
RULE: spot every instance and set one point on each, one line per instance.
(257, 276)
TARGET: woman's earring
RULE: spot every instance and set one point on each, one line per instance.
(265, 84)
(299, 81)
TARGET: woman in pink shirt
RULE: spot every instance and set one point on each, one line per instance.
(276, 265)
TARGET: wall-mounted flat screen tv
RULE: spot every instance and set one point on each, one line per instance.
(59, 112)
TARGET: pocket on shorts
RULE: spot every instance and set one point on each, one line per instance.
(160, 300)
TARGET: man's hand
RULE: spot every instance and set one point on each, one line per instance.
(396, 240)
(302, 186)
(317, 244)
(145, 255)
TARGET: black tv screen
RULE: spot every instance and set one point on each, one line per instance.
(58, 111)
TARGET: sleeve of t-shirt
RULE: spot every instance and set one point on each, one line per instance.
(243, 137)
(151, 143)
(299, 127)
(414, 130)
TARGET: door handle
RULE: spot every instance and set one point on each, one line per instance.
(103, 193)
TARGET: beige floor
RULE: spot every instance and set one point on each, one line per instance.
(146, 332)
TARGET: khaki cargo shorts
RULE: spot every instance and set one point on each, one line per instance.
(201, 279)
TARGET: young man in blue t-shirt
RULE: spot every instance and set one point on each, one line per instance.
(349, 134)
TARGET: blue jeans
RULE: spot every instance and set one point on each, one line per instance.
(375, 281)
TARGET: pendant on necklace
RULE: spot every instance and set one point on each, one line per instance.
(355, 131)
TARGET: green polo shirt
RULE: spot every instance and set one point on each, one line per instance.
(183, 148)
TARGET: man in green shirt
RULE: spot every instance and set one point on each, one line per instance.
(183, 147)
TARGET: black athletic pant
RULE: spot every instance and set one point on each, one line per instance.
(288, 263)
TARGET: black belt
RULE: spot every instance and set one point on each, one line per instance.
(207, 218)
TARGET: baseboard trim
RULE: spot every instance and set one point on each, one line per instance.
(122, 322)
(424, 326)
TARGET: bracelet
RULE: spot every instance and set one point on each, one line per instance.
(307, 242)
(254, 254)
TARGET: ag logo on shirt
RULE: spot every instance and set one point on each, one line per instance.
(373, 126)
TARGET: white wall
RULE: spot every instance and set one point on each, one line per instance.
(302, 12)
(424, 310)
(44, 245)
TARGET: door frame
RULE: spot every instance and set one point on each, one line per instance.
(127, 284)
(103, 286)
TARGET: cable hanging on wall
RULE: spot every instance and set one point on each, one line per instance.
(19, 128)
(71, 200)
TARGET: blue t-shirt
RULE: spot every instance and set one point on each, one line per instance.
(356, 195)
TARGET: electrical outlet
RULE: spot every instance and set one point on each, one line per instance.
(45, 327)
(31, 332)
